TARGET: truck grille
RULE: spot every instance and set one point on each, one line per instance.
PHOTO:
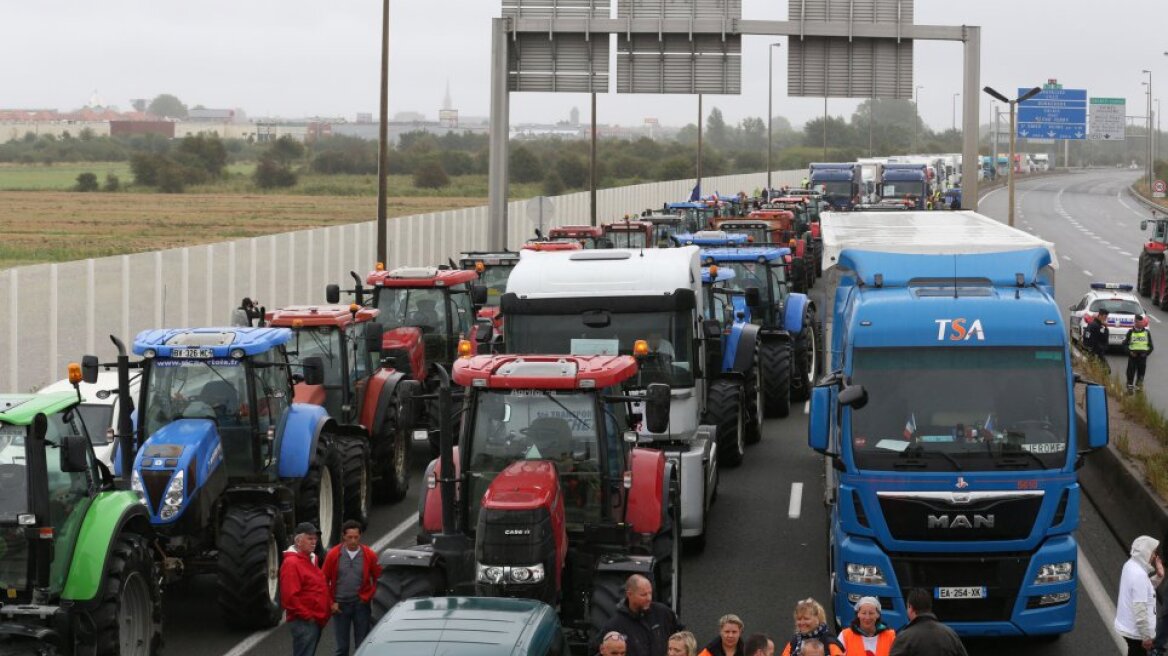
(1002, 575)
(960, 518)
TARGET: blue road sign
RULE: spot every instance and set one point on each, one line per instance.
(1053, 114)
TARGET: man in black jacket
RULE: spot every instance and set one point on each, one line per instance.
(1096, 337)
(925, 634)
(646, 624)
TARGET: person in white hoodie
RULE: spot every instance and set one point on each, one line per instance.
(1135, 609)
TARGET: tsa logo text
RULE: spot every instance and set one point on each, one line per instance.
(959, 330)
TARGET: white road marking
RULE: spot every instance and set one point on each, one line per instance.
(246, 645)
(1125, 253)
(1067, 258)
(1114, 248)
(1087, 273)
(1154, 318)
(807, 407)
(796, 507)
(1100, 599)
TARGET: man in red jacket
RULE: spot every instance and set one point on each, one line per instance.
(303, 591)
(351, 571)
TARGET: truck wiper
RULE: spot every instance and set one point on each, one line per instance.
(914, 453)
(565, 409)
(1020, 452)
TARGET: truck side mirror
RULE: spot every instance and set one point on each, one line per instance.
(313, 370)
(711, 329)
(484, 331)
(478, 295)
(753, 297)
(74, 452)
(373, 334)
(657, 400)
(332, 293)
(818, 424)
(853, 396)
(1143, 225)
(89, 368)
(1097, 426)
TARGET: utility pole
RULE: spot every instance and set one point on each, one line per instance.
(383, 140)
(592, 181)
(699, 186)
(997, 129)
(1012, 103)
(770, 110)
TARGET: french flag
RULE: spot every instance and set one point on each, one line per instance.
(989, 423)
(910, 427)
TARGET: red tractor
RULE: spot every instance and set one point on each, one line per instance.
(777, 226)
(493, 268)
(424, 313)
(629, 234)
(362, 398)
(806, 226)
(1152, 278)
(547, 495)
(587, 235)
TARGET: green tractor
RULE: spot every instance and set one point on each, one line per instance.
(76, 572)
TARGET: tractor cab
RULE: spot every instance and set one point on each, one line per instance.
(493, 268)
(629, 234)
(724, 304)
(1159, 238)
(711, 238)
(588, 236)
(665, 226)
(765, 268)
(756, 231)
(696, 214)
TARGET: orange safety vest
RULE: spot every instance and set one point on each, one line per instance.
(854, 643)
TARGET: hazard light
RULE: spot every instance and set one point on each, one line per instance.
(380, 266)
(640, 348)
(74, 373)
(465, 348)
(713, 272)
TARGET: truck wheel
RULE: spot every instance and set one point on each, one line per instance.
(357, 478)
(393, 462)
(806, 364)
(399, 583)
(776, 377)
(1144, 275)
(129, 620)
(754, 403)
(322, 495)
(251, 543)
(608, 590)
(724, 410)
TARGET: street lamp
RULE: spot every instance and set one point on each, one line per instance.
(1010, 179)
(770, 112)
(955, 111)
(1148, 130)
(383, 140)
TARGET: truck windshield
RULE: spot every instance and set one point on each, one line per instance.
(669, 334)
(901, 189)
(950, 409)
(627, 238)
(834, 188)
(539, 425)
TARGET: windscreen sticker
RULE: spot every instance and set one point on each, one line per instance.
(584, 346)
(1045, 447)
(218, 362)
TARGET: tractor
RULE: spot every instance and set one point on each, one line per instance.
(548, 495)
(789, 340)
(1152, 278)
(76, 563)
(806, 227)
(772, 226)
(424, 313)
(226, 461)
(665, 226)
(362, 399)
(629, 234)
(588, 236)
(494, 268)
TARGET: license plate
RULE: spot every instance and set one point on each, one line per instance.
(973, 592)
(1115, 339)
(192, 353)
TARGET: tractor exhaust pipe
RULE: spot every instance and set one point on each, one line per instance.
(446, 451)
(126, 442)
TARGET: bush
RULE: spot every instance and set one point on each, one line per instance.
(553, 184)
(172, 177)
(145, 168)
(525, 166)
(270, 174)
(86, 182)
(573, 171)
(112, 183)
(431, 175)
(675, 168)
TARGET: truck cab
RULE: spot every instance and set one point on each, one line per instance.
(840, 184)
(907, 181)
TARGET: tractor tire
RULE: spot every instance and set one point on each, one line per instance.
(128, 621)
(400, 583)
(1144, 275)
(608, 589)
(806, 363)
(357, 478)
(811, 265)
(393, 456)
(21, 646)
(754, 403)
(724, 409)
(798, 275)
(320, 500)
(251, 544)
(776, 378)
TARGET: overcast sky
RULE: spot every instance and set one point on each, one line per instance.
(297, 58)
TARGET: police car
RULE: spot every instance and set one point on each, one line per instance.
(1119, 301)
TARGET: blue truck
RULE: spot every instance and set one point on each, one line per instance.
(904, 180)
(948, 422)
(841, 184)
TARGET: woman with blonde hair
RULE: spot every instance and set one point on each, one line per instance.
(811, 623)
(683, 643)
(729, 640)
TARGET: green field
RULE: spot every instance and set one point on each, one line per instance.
(63, 177)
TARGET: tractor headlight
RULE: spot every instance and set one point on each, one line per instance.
(136, 483)
(174, 491)
(501, 574)
(490, 574)
(1055, 573)
(533, 574)
(866, 574)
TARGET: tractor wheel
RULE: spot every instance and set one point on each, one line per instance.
(251, 543)
(754, 403)
(608, 589)
(129, 620)
(357, 478)
(806, 360)
(1160, 289)
(1144, 275)
(393, 461)
(811, 266)
(724, 409)
(776, 378)
(21, 646)
(399, 583)
(320, 500)
(798, 275)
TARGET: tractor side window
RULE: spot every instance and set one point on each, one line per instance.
(68, 493)
(271, 392)
(462, 311)
(778, 285)
(615, 421)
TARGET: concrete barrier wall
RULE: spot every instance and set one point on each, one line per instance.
(51, 314)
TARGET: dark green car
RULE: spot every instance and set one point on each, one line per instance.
(467, 626)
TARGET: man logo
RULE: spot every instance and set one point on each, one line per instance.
(961, 484)
(959, 330)
(961, 521)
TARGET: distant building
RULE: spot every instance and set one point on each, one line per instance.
(212, 115)
(574, 116)
(408, 117)
(364, 118)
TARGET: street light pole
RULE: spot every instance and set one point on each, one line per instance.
(1010, 178)
(770, 110)
(383, 140)
(955, 96)
(1148, 130)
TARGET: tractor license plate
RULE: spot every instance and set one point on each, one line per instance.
(973, 592)
(192, 353)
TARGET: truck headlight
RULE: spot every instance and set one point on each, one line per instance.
(866, 574)
(1055, 573)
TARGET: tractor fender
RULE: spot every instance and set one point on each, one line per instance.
(422, 557)
(645, 500)
(430, 501)
(744, 349)
(793, 313)
(109, 515)
(298, 434)
(381, 388)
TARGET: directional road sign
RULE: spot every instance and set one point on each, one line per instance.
(1053, 114)
(1107, 119)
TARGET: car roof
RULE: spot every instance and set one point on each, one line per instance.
(1096, 294)
(475, 626)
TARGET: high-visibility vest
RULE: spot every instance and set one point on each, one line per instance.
(854, 643)
(1140, 340)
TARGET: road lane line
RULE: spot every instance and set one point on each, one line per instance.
(796, 506)
(1125, 253)
(1102, 601)
(1154, 318)
(1067, 258)
(1087, 273)
(807, 407)
(248, 643)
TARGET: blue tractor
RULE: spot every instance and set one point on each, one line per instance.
(227, 462)
(789, 339)
(711, 238)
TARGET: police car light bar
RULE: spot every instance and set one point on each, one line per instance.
(1112, 285)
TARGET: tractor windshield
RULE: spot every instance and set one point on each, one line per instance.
(323, 342)
(754, 274)
(419, 307)
(627, 238)
(663, 233)
(494, 278)
(13, 480)
(541, 425)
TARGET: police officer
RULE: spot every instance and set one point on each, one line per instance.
(1096, 337)
(1138, 344)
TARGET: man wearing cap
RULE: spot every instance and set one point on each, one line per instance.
(1138, 345)
(303, 591)
(867, 635)
(1096, 337)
